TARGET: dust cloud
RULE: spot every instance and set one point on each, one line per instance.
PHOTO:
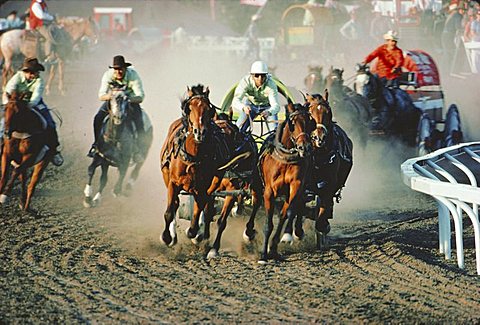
(372, 188)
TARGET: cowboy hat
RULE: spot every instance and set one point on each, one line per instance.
(32, 64)
(119, 62)
(393, 35)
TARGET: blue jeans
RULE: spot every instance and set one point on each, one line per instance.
(243, 121)
(45, 112)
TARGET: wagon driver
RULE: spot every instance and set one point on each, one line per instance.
(388, 69)
(256, 93)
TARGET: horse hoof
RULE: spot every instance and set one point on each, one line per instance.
(249, 236)
(287, 238)
(197, 239)
(262, 262)
(213, 253)
(88, 202)
(299, 235)
(168, 240)
(321, 240)
(3, 199)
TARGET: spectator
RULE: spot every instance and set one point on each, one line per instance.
(453, 25)
(252, 35)
(14, 22)
(378, 25)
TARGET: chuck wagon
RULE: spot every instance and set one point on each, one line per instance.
(430, 129)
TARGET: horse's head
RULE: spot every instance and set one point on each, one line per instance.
(118, 106)
(92, 30)
(198, 111)
(299, 125)
(313, 78)
(365, 82)
(334, 80)
(322, 114)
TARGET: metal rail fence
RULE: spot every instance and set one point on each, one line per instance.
(450, 175)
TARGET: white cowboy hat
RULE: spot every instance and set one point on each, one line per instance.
(453, 6)
(393, 35)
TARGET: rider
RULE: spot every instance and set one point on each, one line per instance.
(388, 69)
(120, 73)
(256, 93)
(40, 21)
(28, 81)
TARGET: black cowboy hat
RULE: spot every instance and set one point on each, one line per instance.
(32, 64)
(119, 62)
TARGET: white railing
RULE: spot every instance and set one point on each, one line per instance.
(440, 174)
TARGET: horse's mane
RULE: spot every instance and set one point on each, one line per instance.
(197, 90)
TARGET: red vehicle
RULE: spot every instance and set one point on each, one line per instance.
(113, 19)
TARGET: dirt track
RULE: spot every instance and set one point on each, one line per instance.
(67, 264)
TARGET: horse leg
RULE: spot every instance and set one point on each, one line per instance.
(250, 233)
(117, 190)
(61, 68)
(322, 226)
(268, 228)
(38, 170)
(5, 170)
(23, 181)
(88, 191)
(103, 182)
(198, 207)
(208, 215)
(51, 75)
(221, 225)
(169, 234)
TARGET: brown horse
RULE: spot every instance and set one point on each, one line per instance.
(24, 147)
(67, 34)
(241, 178)
(314, 81)
(284, 165)
(332, 162)
(190, 158)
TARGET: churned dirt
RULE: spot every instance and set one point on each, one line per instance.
(68, 264)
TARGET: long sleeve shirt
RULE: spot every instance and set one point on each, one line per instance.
(388, 60)
(21, 85)
(131, 80)
(41, 13)
(265, 95)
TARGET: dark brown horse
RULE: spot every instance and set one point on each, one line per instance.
(332, 163)
(190, 158)
(241, 178)
(24, 146)
(284, 165)
(351, 109)
(67, 33)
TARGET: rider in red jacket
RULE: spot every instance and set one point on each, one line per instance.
(388, 68)
(390, 59)
(40, 20)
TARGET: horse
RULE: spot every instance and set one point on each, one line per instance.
(191, 156)
(116, 148)
(395, 107)
(352, 109)
(284, 163)
(332, 162)
(241, 177)
(24, 147)
(314, 81)
(66, 34)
